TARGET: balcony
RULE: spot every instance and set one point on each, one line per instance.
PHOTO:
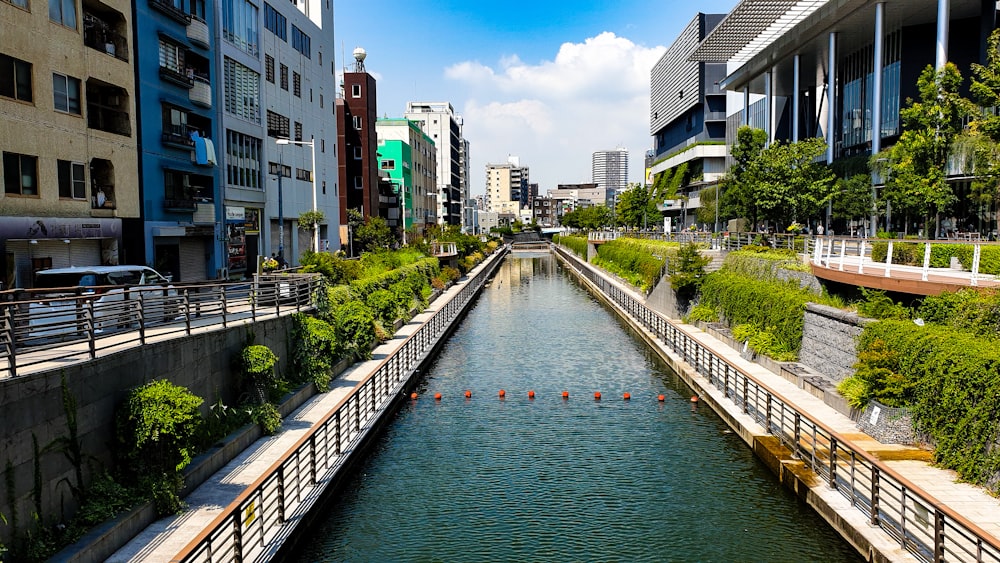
(201, 92)
(175, 77)
(102, 197)
(180, 205)
(171, 10)
(108, 119)
(197, 32)
(176, 136)
(101, 35)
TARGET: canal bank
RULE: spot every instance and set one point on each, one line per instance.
(249, 509)
(889, 511)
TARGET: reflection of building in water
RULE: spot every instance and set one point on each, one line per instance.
(520, 268)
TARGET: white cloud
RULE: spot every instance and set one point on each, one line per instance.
(554, 114)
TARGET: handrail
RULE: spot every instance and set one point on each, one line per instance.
(280, 491)
(76, 328)
(921, 523)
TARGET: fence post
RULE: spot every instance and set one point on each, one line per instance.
(89, 319)
(833, 462)
(876, 488)
(938, 536)
(8, 314)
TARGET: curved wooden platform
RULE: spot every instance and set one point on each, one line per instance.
(902, 279)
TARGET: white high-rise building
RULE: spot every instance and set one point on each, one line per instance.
(439, 122)
(506, 186)
(610, 171)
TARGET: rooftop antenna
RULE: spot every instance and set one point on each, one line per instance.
(359, 59)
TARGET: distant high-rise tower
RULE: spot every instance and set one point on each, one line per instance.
(610, 171)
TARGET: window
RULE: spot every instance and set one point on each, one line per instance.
(301, 42)
(20, 174)
(355, 90)
(242, 91)
(243, 165)
(273, 167)
(172, 57)
(297, 84)
(277, 125)
(388, 164)
(275, 22)
(283, 72)
(357, 153)
(15, 79)
(72, 183)
(66, 93)
(63, 12)
(197, 9)
(298, 131)
(239, 25)
(358, 184)
(19, 3)
(357, 122)
(302, 174)
(269, 68)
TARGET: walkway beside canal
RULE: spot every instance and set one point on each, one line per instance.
(168, 537)
(971, 503)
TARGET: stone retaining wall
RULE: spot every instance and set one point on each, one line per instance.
(829, 337)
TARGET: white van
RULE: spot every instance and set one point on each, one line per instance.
(61, 296)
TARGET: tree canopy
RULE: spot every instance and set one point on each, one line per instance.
(636, 207)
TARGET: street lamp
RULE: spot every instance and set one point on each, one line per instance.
(312, 146)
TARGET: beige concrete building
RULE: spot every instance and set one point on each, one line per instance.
(67, 134)
(505, 185)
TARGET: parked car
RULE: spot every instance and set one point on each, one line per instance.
(62, 296)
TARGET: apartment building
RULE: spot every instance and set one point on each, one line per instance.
(408, 158)
(68, 136)
(439, 121)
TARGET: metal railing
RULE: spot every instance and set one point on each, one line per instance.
(920, 523)
(97, 321)
(835, 253)
(252, 527)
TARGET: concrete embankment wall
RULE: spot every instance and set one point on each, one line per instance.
(32, 409)
(793, 473)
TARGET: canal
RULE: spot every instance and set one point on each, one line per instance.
(554, 479)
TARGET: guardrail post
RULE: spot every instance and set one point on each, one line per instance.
(225, 306)
(142, 321)
(927, 261)
(8, 321)
(281, 493)
(312, 458)
(89, 320)
(976, 253)
(833, 462)
(238, 536)
(861, 258)
(187, 313)
(797, 434)
(938, 536)
(767, 414)
(888, 259)
(873, 518)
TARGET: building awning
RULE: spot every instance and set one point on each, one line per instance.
(751, 26)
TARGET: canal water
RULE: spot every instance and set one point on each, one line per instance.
(554, 480)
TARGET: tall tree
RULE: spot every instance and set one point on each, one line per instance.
(791, 183)
(915, 168)
(738, 198)
(981, 144)
(636, 208)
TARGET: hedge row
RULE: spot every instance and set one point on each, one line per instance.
(641, 262)
(949, 379)
(577, 244)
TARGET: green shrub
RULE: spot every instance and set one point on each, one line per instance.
(156, 430)
(877, 305)
(972, 310)
(578, 244)
(382, 304)
(356, 329)
(257, 367)
(686, 278)
(315, 350)
(268, 417)
(640, 262)
(950, 381)
(777, 306)
(854, 390)
(703, 313)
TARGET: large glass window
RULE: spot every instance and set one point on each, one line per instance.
(857, 94)
(63, 11)
(20, 174)
(243, 162)
(72, 183)
(242, 91)
(301, 42)
(239, 25)
(275, 22)
(15, 79)
(66, 93)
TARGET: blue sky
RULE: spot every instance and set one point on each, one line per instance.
(549, 82)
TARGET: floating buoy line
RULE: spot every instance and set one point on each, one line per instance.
(502, 395)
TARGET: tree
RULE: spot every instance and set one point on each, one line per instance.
(982, 141)
(707, 212)
(636, 208)
(915, 168)
(738, 185)
(374, 235)
(853, 199)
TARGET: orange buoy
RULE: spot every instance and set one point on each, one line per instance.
(531, 394)
(597, 395)
(468, 394)
(413, 396)
(694, 398)
(627, 396)
(503, 393)
(565, 395)
(661, 398)
(437, 396)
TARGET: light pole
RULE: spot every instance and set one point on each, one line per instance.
(311, 143)
(281, 214)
